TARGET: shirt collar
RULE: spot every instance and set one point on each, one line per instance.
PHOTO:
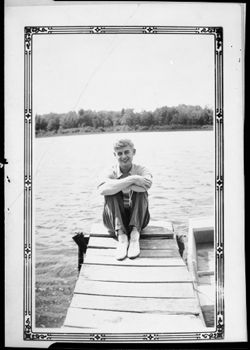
(119, 173)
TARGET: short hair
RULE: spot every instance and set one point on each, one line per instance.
(123, 143)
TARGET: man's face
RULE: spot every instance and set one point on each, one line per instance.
(125, 157)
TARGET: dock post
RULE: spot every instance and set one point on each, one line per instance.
(180, 239)
(82, 243)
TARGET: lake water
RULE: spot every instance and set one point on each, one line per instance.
(66, 170)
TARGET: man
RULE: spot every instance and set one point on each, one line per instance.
(124, 189)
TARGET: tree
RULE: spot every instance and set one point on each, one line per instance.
(146, 118)
(127, 117)
(53, 123)
(41, 123)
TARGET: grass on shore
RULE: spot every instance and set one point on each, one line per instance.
(90, 130)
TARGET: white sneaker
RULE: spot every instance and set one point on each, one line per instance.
(134, 248)
(122, 247)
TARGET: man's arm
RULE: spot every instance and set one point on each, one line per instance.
(143, 186)
(136, 183)
(138, 188)
(113, 186)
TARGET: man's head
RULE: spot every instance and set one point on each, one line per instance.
(124, 152)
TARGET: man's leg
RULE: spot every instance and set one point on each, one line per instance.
(138, 220)
(115, 216)
(139, 217)
(116, 219)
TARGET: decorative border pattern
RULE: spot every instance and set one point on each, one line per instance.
(217, 33)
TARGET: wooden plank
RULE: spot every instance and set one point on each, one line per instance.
(110, 260)
(113, 321)
(106, 242)
(156, 229)
(133, 304)
(145, 253)
(161, 223)
(166, 290)
(135, 274)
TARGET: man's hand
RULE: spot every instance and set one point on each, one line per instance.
(141, 181)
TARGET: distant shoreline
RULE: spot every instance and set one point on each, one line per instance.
(77, 133)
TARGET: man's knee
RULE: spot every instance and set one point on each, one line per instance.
(113, 197)
(141, 197)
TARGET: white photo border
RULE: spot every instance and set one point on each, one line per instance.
(216, 333)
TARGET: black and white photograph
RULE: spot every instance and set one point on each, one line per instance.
(123, 182)
(140, 105)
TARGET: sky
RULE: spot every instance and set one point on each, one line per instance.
(111, 72)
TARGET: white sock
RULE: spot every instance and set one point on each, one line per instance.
(122, 237)
(135, 234)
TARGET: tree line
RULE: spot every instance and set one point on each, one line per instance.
(164, 118)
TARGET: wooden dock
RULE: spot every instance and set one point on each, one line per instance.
(152, 293)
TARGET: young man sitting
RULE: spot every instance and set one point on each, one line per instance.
(124, 189)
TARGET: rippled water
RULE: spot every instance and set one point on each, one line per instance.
(66, 169)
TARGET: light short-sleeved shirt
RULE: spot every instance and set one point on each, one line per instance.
(115, 174)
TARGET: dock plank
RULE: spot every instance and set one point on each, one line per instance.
(111, 260)
(106, 242)
(154, 229)
(135, 274)
(152, 293)
(145, 253)
(113, 321)
(150, 290)
(139, 304)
